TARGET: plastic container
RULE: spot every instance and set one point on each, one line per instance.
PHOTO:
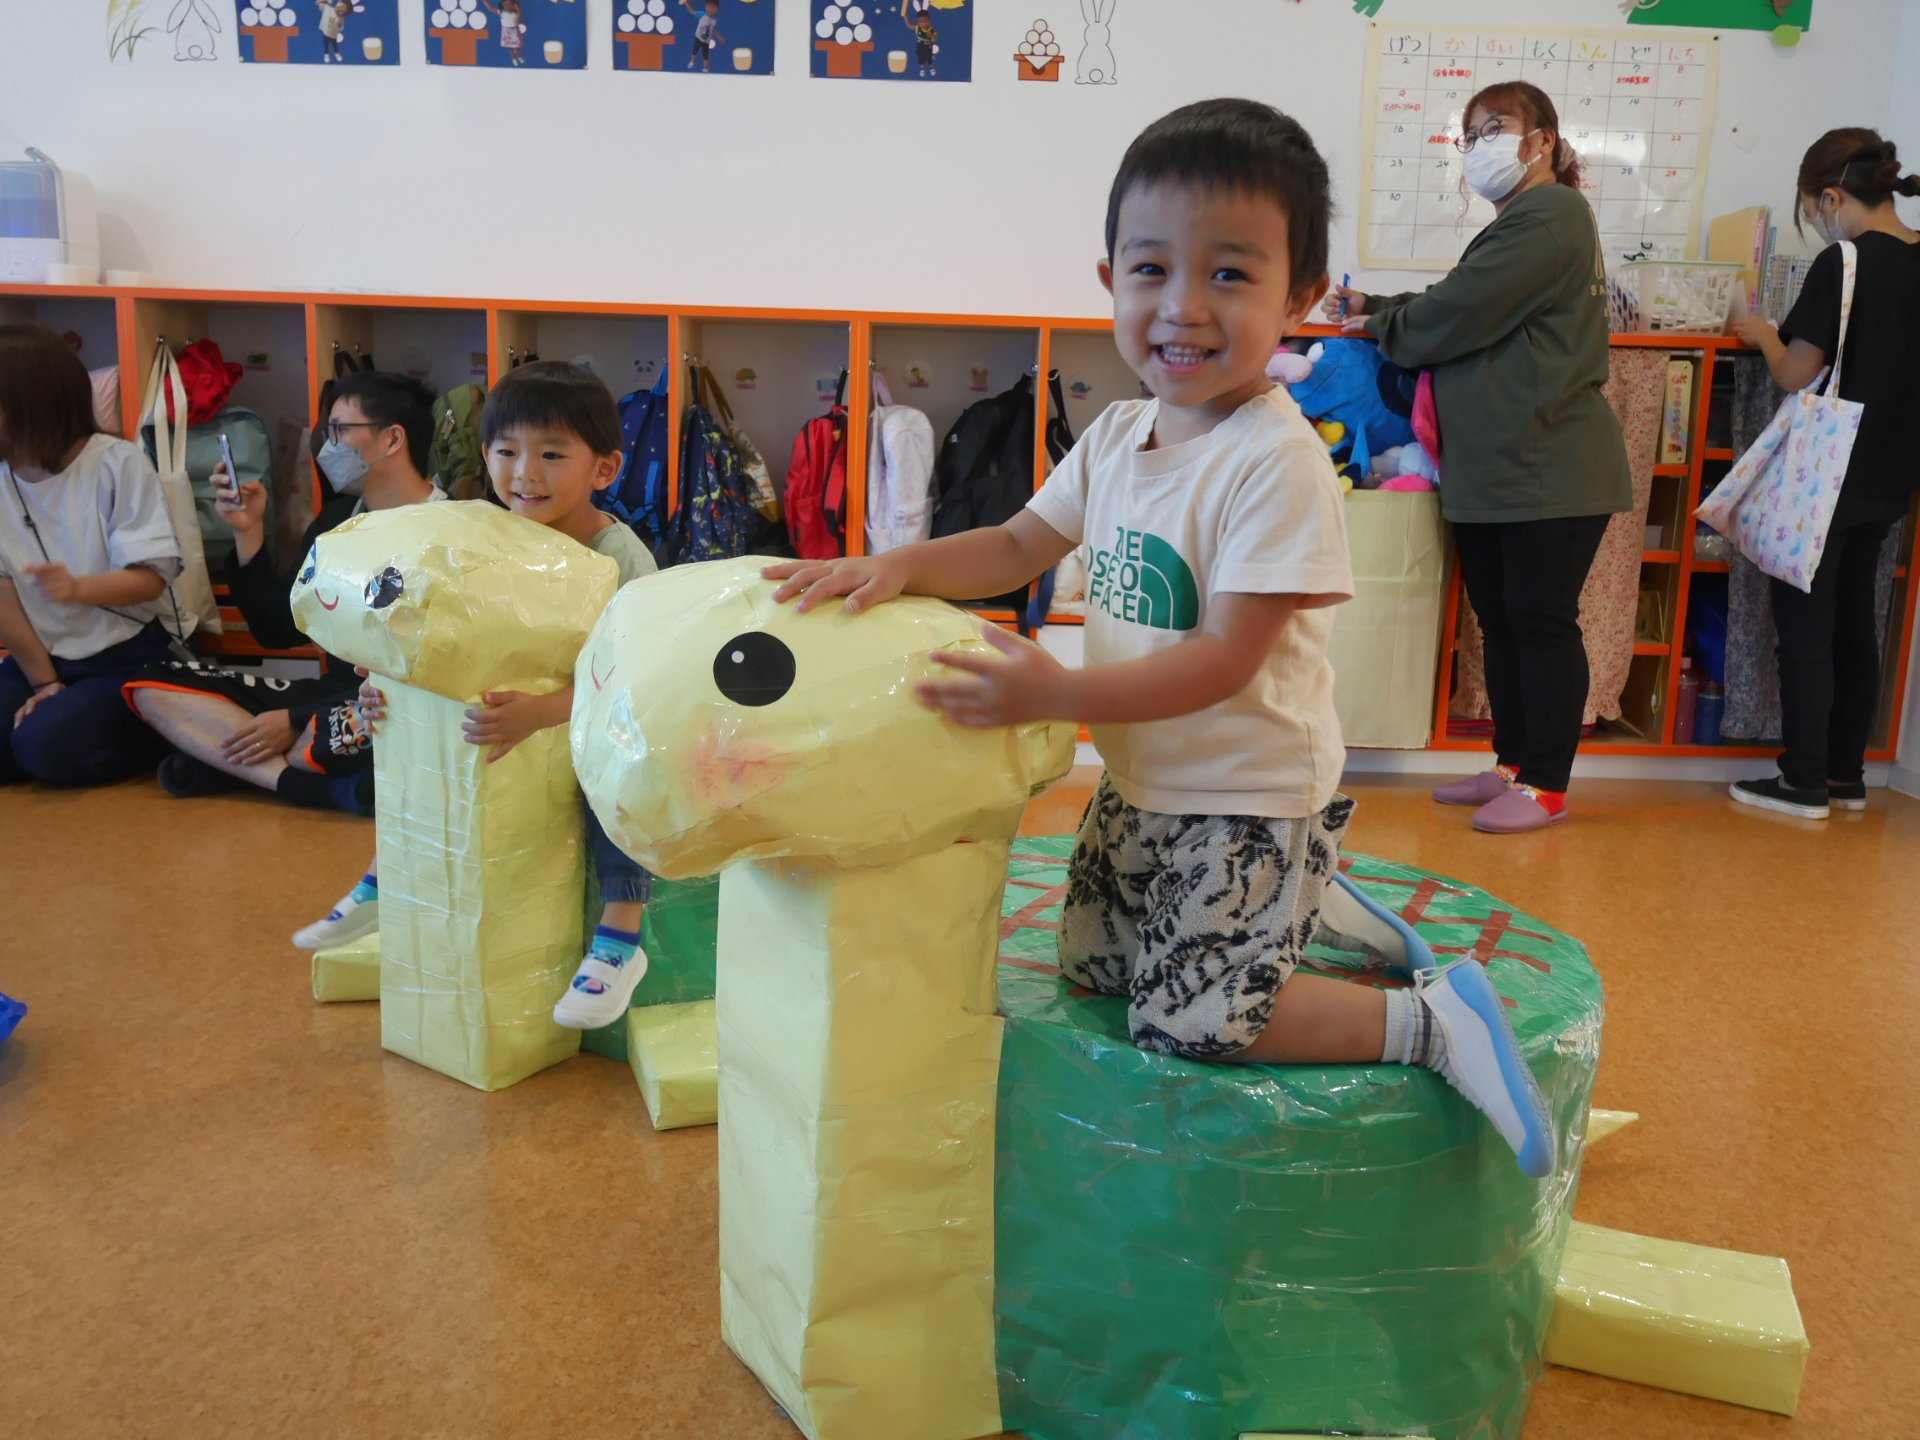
(1658, 296)
(1707, 710)
(1686, 702)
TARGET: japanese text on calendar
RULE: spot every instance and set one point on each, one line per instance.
(1638, 109)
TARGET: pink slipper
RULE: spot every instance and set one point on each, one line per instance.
(1514, 813)
(1474, 790)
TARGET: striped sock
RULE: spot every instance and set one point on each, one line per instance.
(1412, 1037)
(367, 889)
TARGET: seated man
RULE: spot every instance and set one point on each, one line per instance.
(301, 739)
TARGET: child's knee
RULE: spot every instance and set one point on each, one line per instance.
(1213, 1011)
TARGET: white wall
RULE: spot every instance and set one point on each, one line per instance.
(782, 191)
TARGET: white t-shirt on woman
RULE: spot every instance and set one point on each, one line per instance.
(104, 512)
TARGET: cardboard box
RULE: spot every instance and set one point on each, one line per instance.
(1386, 640)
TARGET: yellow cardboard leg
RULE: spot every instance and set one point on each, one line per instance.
(675, 1054)
(1602, 1123)
(1681, 1317)
(860, 1063)
(348, 972)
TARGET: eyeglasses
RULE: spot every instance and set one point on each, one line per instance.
(335, 429)
(1496, 126)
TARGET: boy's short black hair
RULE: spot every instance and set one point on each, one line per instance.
(553, 395)
(389, 399)
(1236, 145)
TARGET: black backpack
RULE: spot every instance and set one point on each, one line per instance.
(984, 472)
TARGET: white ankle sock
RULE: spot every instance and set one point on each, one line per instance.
(1412, 1038)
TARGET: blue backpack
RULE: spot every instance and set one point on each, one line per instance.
(639, 494)
(716, 518)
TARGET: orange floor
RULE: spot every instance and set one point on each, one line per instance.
(223, 1212)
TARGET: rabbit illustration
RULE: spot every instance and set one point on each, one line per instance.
(1095, 66)
(193, 27)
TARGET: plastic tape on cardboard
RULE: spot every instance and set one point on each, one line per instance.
(1681, 1317)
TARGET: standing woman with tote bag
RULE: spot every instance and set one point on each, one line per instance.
(1535, 465)
(1829, 646)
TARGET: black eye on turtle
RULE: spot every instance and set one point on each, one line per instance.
(310, 565)
(754, 669)
(384, 588)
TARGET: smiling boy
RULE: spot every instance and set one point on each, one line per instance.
(1219, 549)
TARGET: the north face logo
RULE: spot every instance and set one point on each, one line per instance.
(1142, 579)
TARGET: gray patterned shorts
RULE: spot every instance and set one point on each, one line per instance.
(1197, 919)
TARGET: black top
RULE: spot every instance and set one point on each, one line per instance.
(1881, 368)
(265, 597)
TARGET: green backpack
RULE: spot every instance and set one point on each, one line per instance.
(455, 459)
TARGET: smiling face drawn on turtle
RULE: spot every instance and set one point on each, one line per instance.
(454, 598)
(713, 725)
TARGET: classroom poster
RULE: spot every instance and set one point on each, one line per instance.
(319, 32)
(508, 34)
(701, 37)
(915, 40)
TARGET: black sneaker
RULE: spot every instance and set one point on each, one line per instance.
(1847, 795)
(1776, 795)
(186, 778)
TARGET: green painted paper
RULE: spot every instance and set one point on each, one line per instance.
(1216, 1250)
(1726, 14)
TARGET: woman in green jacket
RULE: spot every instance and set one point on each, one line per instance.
(1534, 463)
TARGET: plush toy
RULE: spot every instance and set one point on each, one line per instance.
(1404, 468)
(1350, 383)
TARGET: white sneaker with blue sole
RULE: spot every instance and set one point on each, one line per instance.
(1352, 920)
(1483, 1062)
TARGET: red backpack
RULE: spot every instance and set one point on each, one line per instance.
(816, 499)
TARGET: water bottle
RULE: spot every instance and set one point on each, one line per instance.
(1683, 705)
(1706, 714)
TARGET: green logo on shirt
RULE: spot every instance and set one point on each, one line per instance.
(1142, 578)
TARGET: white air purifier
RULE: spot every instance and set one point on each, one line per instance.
(46, 218)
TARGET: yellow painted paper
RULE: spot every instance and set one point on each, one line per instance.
(859, 1046)
(1681, 1317)
(348, 972)
(1384, 639)
(675, 1054)
(482, 865)
(1602, 1123)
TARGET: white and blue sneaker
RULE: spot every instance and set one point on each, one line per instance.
(352, 918)
(1352, 920)
(602, 988)
(1483, 1062)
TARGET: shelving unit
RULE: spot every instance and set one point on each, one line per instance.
(795, 355)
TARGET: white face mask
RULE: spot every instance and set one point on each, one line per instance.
(1833, 233)
(1494, 165)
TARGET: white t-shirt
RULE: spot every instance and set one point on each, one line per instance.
(104, 512)
(1252, 507)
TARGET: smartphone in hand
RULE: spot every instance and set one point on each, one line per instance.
(232, 495)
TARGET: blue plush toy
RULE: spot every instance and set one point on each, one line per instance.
(1352, 384)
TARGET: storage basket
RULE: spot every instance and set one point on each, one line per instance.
(1649, 296)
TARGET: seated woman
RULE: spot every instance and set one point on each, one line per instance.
(86, 554)
(301, 739)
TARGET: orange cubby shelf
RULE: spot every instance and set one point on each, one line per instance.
(501, 320)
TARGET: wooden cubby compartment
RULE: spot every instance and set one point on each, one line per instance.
(628, 350)
(778, 374)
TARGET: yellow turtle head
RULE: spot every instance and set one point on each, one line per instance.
(711, 724)
(455, 598)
